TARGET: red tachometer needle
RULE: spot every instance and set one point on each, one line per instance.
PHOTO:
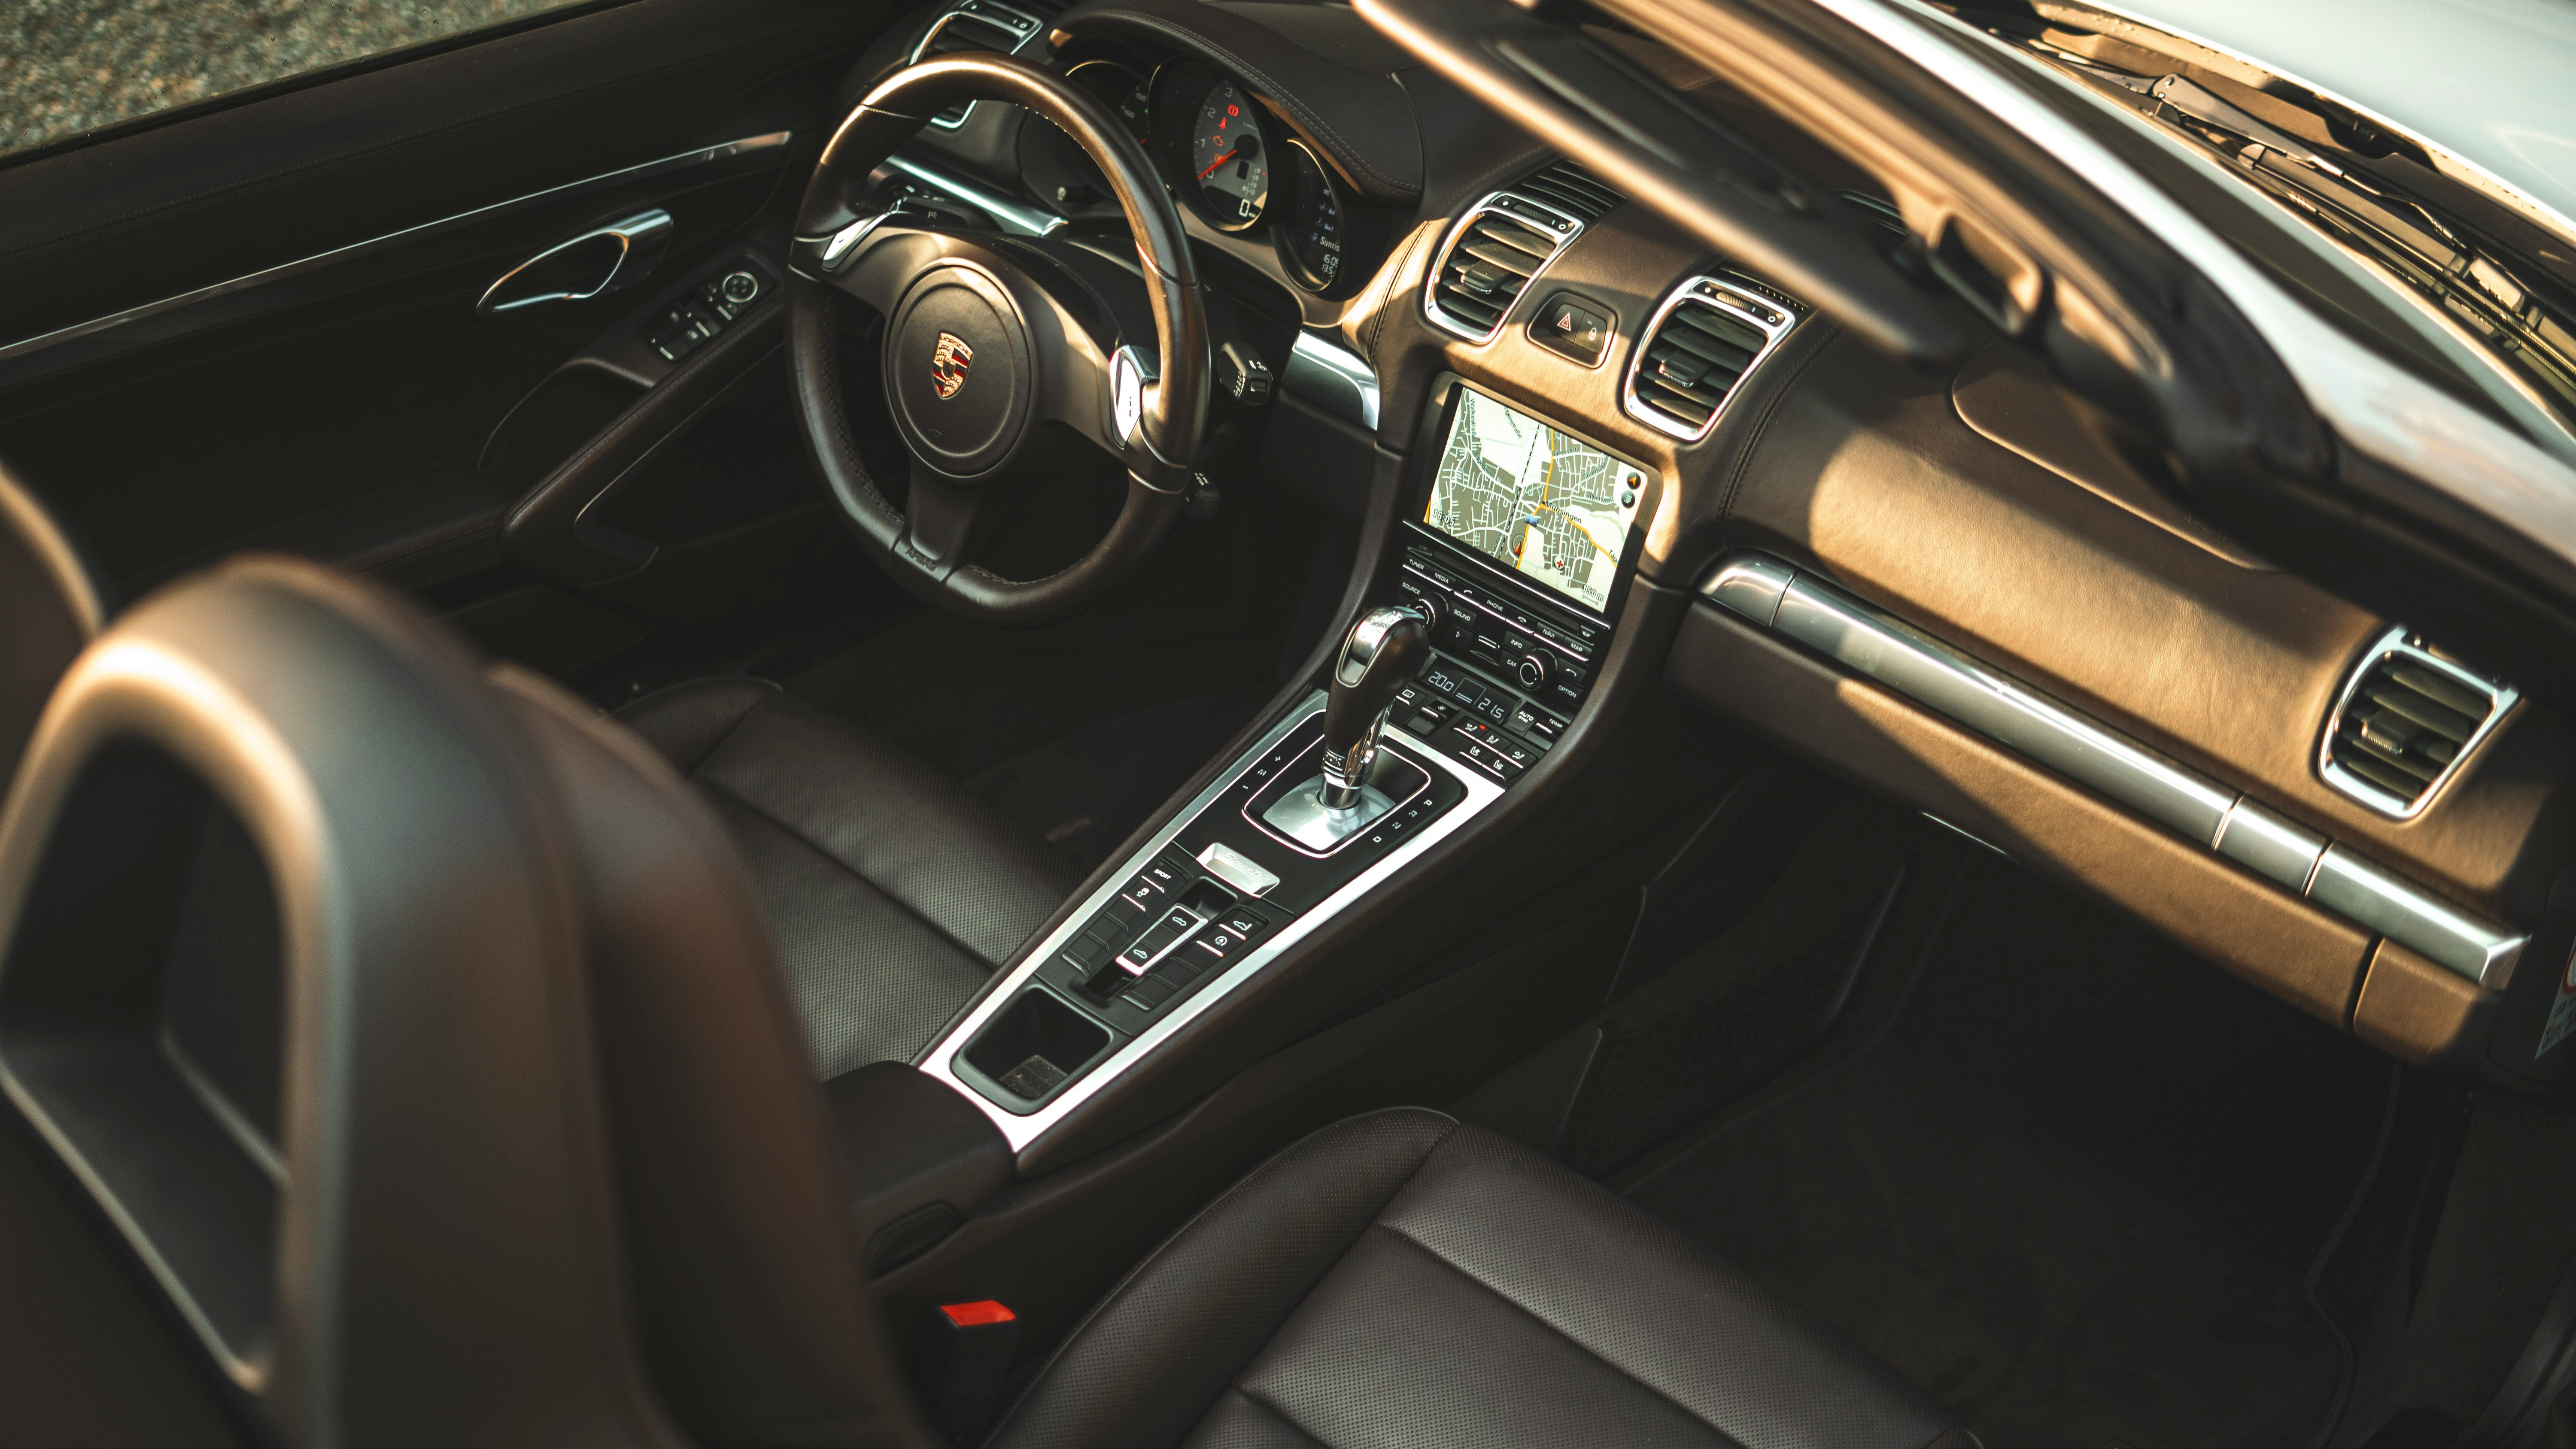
(1221, 160)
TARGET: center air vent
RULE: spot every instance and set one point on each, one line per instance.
(1503, 244)
(976, 25)
(1708, 334)
(2406, 721)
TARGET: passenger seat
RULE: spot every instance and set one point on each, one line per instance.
(1400, 1279)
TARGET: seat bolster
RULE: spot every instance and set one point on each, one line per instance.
(752, 1313)
(687, 721)
(1163, 1346)
(1651, 1303)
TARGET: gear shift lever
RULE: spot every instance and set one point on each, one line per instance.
(1383, 652)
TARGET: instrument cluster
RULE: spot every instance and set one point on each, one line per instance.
(1234, 161)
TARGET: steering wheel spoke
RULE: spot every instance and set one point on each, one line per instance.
(939, 524)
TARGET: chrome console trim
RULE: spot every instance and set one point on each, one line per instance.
(939, 1058)
(1338, 381)
(1774, 595)
(685, 159)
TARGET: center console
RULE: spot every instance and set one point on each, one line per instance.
(1489, 616)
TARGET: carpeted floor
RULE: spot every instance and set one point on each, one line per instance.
(2075, 1190)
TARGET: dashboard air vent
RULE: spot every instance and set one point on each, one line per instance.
(2405, 723)
(1500, 247)
(1700, 343)
(1572, 190)
(976, 25)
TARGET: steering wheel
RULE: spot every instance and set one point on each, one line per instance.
(998, 352)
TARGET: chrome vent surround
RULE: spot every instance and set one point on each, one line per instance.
(1497, 249)
(2406, 721)
(977, 25)
(1697, 347)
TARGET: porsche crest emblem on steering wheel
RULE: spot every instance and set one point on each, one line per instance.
(948, 364)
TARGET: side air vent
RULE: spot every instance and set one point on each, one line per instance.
(978, 25)
(1572, 190)
(1497, 250)
(1701, 342)
(2405, 723)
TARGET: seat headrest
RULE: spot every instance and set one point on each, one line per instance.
(420, 1037)
(54, 602)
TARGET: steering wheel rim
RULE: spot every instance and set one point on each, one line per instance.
(1148, 411)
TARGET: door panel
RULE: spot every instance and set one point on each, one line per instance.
(346, 229)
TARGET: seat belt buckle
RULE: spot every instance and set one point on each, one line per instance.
(962, 1362)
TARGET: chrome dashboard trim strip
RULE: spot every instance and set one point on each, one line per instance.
(1339, 382)
(1870, 643)
(1458, 233)
(283, 270)
(939, 1058)
(1015, 216)
(1773, 595)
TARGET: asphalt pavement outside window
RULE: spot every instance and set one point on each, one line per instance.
(68, 66)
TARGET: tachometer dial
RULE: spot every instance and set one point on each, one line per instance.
(1229, 158)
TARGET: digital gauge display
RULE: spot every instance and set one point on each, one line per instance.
(1230, 158)
(1309, 224)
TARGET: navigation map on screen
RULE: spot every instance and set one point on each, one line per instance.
(1534, 500)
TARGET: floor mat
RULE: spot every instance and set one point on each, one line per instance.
(1088, 792)
(2074, 1190)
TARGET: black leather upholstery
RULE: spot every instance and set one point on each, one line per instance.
(737, 1214)
(1400, 1279)
(892, 892)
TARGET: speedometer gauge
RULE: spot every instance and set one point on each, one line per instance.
(1230, 160)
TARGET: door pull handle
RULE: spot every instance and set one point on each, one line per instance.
(610, 259)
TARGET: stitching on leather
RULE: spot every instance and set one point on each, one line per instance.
(1262, 82)
(828, 344)
(1762, 430)
(1110, 1299)
(1694, 1415)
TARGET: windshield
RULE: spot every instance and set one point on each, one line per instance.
(2498, 285)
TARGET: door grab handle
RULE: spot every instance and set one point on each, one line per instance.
(610, 259)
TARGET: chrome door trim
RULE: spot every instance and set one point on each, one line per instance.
(1775, 596)
(679, 162)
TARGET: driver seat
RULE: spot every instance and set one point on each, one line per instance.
(893, 893)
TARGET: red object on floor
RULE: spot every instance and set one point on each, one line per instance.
(968, 1315)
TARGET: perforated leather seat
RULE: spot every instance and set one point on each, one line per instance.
(893, 892)
(1400, 1279)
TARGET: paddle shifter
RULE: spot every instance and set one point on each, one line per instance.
(1385, 649)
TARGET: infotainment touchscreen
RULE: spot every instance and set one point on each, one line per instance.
(1534, 500)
